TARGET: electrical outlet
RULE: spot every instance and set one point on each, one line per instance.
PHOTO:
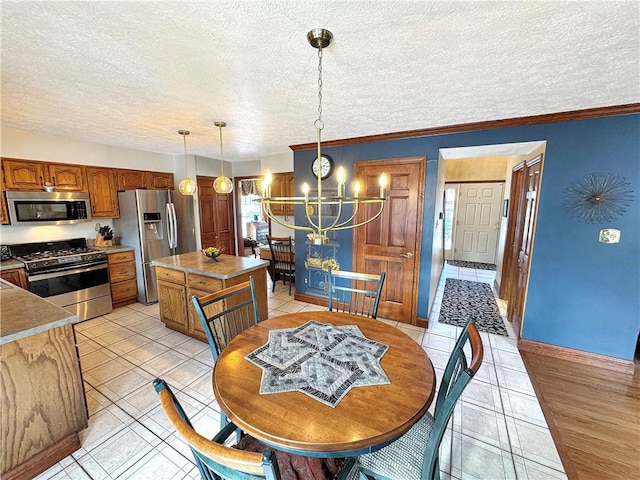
(305, 281)
(609, 235)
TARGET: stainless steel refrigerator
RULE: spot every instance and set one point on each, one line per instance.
(156, 223)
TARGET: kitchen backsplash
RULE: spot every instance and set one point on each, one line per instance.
(23, 234)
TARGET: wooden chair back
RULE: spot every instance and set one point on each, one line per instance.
(212, 458)
(357, 293)
(282, 258)
(227, 313)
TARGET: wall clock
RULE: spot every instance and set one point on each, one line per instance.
(324, 167)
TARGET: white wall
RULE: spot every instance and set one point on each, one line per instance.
(53, 148)
(39, 146)
(278, 163)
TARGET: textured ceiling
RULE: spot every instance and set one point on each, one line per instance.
(133, 73)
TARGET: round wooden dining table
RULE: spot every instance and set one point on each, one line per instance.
(366, 419)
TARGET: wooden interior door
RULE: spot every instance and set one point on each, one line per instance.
(510, 260)
(525, 228)
(391, 243)
(217, 225)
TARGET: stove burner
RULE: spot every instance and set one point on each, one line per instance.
(43, 256)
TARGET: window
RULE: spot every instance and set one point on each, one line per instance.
(449, 211)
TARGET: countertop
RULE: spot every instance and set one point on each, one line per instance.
(24, 314)
(229, 266)
(113, 249)
(9, 264)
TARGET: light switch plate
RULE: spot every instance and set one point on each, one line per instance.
(609, 235)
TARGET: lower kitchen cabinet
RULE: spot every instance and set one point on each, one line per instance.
(15, 276)
(122, 277)
(177, 284)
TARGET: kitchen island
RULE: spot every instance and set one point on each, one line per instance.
(181, 276)
(42, 396)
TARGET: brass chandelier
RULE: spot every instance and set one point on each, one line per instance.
(323, 213)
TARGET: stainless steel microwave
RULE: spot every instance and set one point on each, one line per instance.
(48, 208)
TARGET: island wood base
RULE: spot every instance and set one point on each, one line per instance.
(181, 276)
(45, 459)
(42, 401)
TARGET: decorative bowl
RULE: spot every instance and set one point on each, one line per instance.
(213, 253)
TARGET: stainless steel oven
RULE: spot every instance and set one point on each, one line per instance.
(82, 290)
(68, 274)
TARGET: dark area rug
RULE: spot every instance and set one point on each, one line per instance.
(464, 299)
(478, 265)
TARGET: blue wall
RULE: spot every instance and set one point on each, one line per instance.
(582, 294)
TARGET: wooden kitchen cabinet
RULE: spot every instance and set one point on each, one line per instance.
(160, 180)
(172, 299)
(16, 276)
(176, 284)
(32, 175)
(282, 186)
(122, 278)
(4, 213)
(132, 179)
(69, 178)
(102, 183)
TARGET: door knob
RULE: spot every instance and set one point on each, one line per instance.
(407, 255)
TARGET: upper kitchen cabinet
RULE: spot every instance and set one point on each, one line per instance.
(32, 175)
(132, 179)
(282, 186)
(103, 184)
(160, 180)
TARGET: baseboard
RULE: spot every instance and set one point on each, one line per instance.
(579, 356)
(43, 460)
(303, 297)
(422, 322)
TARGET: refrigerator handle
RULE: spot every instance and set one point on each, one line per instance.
(170, 225)
(175, 225)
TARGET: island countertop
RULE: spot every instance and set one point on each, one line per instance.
(229, 266)
(24, 314)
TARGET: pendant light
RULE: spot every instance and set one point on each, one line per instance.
(222, 184)
(187, 186)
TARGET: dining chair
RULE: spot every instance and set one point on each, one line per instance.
(415, 454)
(226, 313)
(249, 459)
(282, 259)
(361, 298)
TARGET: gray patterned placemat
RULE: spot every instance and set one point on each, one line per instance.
(320, 360)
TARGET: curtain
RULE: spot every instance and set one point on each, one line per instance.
(250, 187)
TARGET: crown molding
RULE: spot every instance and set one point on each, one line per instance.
(588, 113)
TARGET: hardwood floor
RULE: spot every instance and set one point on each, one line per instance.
(593, 415)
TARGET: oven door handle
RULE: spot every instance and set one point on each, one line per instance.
(67, 271)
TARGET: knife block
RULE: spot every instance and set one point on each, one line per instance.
(101, 242)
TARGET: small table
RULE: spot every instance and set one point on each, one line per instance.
(365, 420)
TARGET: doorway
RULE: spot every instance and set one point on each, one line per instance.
(465, 166)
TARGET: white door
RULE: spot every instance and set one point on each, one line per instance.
(478, 222)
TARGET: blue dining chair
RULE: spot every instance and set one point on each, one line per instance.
(224, 315)
(227, 313)
(357, 293)
(414, 456)
(215, 460)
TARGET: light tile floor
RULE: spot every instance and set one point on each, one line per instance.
(497, 430)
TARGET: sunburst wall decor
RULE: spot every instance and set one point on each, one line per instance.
(598, 197)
